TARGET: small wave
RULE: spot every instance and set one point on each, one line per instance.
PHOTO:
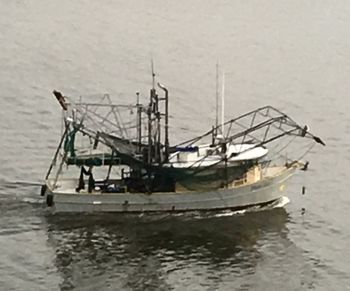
(230, 213)
(19, 184)
(281, 202)
(32, 200)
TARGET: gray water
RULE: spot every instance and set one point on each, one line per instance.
(292, 54)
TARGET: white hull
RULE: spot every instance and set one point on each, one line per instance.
(266, 190)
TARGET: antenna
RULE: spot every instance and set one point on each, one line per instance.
(153, 75)
(217, 98)
(223, 104)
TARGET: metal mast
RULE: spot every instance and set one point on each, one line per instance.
(217, 98)
(223, 104)
(166, 133)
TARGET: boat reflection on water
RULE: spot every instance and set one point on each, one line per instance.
(140, 252)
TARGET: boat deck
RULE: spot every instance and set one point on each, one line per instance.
(68, 185)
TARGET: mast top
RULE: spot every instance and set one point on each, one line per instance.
(153, 75)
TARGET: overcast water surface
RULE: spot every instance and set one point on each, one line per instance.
(292, 54)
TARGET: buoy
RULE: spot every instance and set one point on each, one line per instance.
(303, 190)
(43, 190)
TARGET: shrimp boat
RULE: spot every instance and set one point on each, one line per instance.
(110, 159)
